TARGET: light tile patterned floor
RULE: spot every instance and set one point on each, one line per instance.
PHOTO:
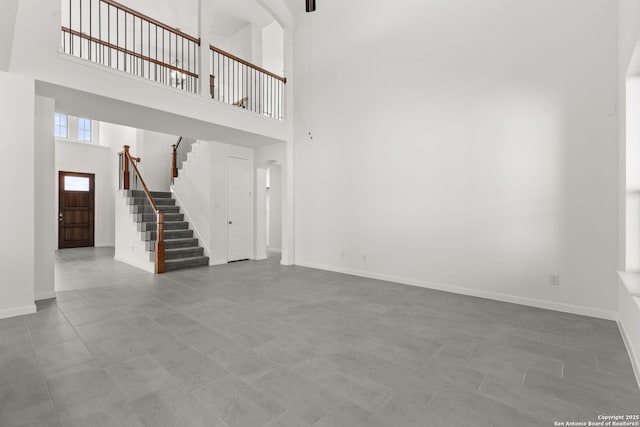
(259, 344)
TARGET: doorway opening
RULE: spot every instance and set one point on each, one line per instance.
(76, 210)
(273, 224)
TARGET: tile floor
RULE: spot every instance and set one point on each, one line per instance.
(258, 344)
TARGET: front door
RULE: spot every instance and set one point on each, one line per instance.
(76, 213)
(238, 209)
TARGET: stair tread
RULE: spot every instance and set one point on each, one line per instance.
(183, 249)
(187, 259)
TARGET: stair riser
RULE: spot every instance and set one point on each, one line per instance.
(147, 209)
(186, 253)
(155, 194)
(151, 217)
(145, 202)
(152, 226)
(150, 245)
(168, 234)
(179, 265)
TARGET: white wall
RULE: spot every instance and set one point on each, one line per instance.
(17, 254)
(201, 192)
(155, 151)
(275, 208)
(7, 26)
(98, 160)
(241, 43)
(462, 145)
(46, 215)
(129, 246)
(273, 48)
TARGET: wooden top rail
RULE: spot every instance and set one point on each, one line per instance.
(153, 21)
(248, 64)
(128, 52)
(144, 186)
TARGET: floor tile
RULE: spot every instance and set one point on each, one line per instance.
(349, 415)
(100, 412)
(79, 384)
(297, 395)
(257, 343)
(204, 339)
(173, 406)
(46, 335)
(472, 407)
(192, 368)
(237, 403)
(64, 355)
(288, 419)
(138, 376)
(243, 362)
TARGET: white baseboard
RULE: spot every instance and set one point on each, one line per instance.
(276, 250)
(17, 311)
(45, 295)
(635, 361)
(531, 302)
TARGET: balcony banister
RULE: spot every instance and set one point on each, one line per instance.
(128, 52)
(153, 21)
(248, 64)
(119, 37)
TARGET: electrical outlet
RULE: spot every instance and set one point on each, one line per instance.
(364, 257)
(554, 280)
(342, 254)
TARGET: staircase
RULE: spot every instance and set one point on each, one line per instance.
(182, 250)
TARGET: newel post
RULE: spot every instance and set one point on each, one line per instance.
(125, 168)
(174, 162)
(160, 245)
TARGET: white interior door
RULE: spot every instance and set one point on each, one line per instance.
(238, 209)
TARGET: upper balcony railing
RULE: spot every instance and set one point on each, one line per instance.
(238, 82)
(114, 35)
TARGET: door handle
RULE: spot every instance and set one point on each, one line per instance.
(60, 217)
(230, 222)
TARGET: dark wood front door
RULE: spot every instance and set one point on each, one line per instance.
(76, 209)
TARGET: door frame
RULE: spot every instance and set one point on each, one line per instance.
(92, 191)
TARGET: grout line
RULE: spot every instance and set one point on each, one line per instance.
(482, 382)
(434, 394)
(393, 394)
(42, 377)
(524, 377)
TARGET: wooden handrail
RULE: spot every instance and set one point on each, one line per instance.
(144, 185)
(248, 64)
(174, 161)
(127, 51)
(153, 21)
(160, 247)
